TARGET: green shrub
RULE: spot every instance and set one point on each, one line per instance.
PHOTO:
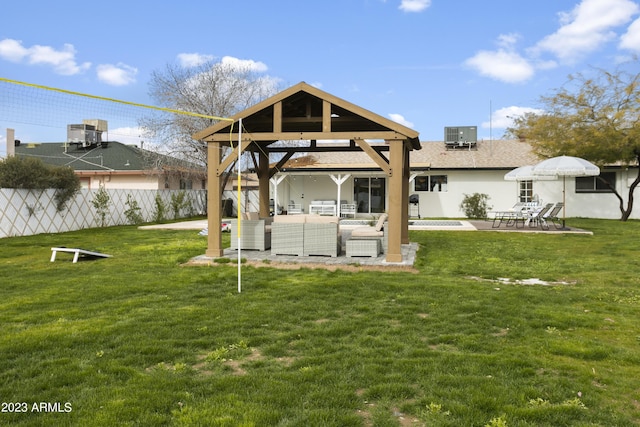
(66, 183)
(101, 202)
(475, 205)
(133, 211)
(33, 174)
(178, 202)
(159, 211)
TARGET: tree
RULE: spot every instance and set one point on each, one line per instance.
(594, 117)
(218, 89)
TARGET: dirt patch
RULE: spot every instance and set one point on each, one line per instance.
(527, 282)
(236, 365)
(501, 333)
(312, 266)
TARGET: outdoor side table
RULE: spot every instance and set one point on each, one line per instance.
(363, 247)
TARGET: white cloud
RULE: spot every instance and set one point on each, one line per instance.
(12, 50)
(250, 64)
(504, 65)
(508, 41)
(631, 39)
(62, 61)
(116, 75)
(503, 118)
(193, 59)
(587, 27)
(398, 118)
(414, 5)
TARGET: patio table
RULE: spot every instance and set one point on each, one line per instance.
(511, 217)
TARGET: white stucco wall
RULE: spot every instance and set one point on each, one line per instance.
(502, 194)
(126, 182)
(135, 182)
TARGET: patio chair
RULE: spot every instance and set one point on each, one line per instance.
(537, 217)
(379, 231)
(553, 215)
(255, 233)
(512, 216)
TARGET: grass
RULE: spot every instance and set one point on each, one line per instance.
(139, 339)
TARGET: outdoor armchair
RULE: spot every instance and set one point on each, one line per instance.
(379, 231)
(255, 233)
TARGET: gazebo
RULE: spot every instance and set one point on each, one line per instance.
(307, 114)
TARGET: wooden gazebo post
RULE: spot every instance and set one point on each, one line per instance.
(406, 172)
(396, 200)
(263, 182)
(214, 201)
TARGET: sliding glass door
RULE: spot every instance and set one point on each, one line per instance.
(369, 194)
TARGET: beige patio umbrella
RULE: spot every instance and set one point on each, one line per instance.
(525, 173)
(565, 166)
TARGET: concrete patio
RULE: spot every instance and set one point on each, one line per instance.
(408, 250)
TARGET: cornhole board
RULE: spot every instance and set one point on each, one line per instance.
(76, 253)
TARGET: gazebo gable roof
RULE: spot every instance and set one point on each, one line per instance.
(306, 112)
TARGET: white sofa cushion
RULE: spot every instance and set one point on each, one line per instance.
(322, 219)
(366, 232)
(290, 219)
(381, 221)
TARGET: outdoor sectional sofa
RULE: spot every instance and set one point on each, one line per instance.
(305, 235)
(255, 233)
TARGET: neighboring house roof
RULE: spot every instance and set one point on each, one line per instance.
(495, 154)
(112, 156)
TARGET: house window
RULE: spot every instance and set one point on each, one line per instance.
(186, 184)
(369, 194)
(593, 184)
(421, 183)
(434, 183)
(526, 191)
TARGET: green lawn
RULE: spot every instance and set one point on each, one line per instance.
(139, 339)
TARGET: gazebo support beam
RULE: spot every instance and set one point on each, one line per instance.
(214, 201)
(396, 200)
(263, 182)
(232, 156)
(405, 196)
(375, 156)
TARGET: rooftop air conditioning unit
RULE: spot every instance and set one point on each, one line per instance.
(83, 135)
(460, 136)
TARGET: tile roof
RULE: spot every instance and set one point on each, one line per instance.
(114, 156)
(495, 154)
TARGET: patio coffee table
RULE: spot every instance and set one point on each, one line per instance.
(363, 247)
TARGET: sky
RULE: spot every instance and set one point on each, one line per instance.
(426, 64)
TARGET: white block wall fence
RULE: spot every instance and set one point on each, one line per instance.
(29, 212)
